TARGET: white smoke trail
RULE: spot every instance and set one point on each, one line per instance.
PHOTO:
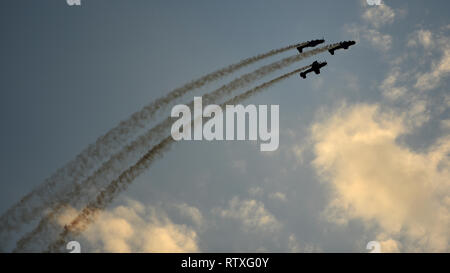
(90, 212)
(120, 161)
(114, 166)
(31, 205)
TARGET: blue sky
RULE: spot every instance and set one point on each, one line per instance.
(72, 73)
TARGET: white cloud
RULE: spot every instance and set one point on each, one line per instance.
(379, 16)
(387, 244)
(445, 124)
(436, 52)
(279, 196)
(256, 192)
(191, 212)
(378, 181)
(374, 17)
(418, 112)
(293, 245)
(135, 228)
(422, 37)
(296, 247)
(439, 70)
(390, 88)
(375, 38)
(378, 39)
(420, 69)
(298, 151)
(447, 100)
(251, 213)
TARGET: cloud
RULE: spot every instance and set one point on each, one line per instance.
(251, 214)
(278, 196)
(374, 17)
(293, 244)
(422, 68)
(445, 124)
(136, 228)
(386, 185)
(298, 151)
(439, 70)
(375, 38)
(295, 247)
(378, 39)
(435, 52)
(191, 213)
(390, 88)
(379, 16)
(422, 37)
(256, 191)
(387, 244)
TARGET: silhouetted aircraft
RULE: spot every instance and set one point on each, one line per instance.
(312, 43)
(315, 66)
(344, 45)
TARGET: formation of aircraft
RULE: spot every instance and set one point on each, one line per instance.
(316, 66)
(311, 43)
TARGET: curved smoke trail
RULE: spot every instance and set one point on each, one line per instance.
(106, 196)
(133, 152)
(32, 204)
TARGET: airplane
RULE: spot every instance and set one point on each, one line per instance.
(344, 45)
(311, 43)
(315, 66)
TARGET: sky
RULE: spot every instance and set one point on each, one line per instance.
(364, 146)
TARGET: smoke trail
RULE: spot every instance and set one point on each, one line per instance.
(89, 213)
(248, 78)
(107, 172)
(30, 206)
(131, 153)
